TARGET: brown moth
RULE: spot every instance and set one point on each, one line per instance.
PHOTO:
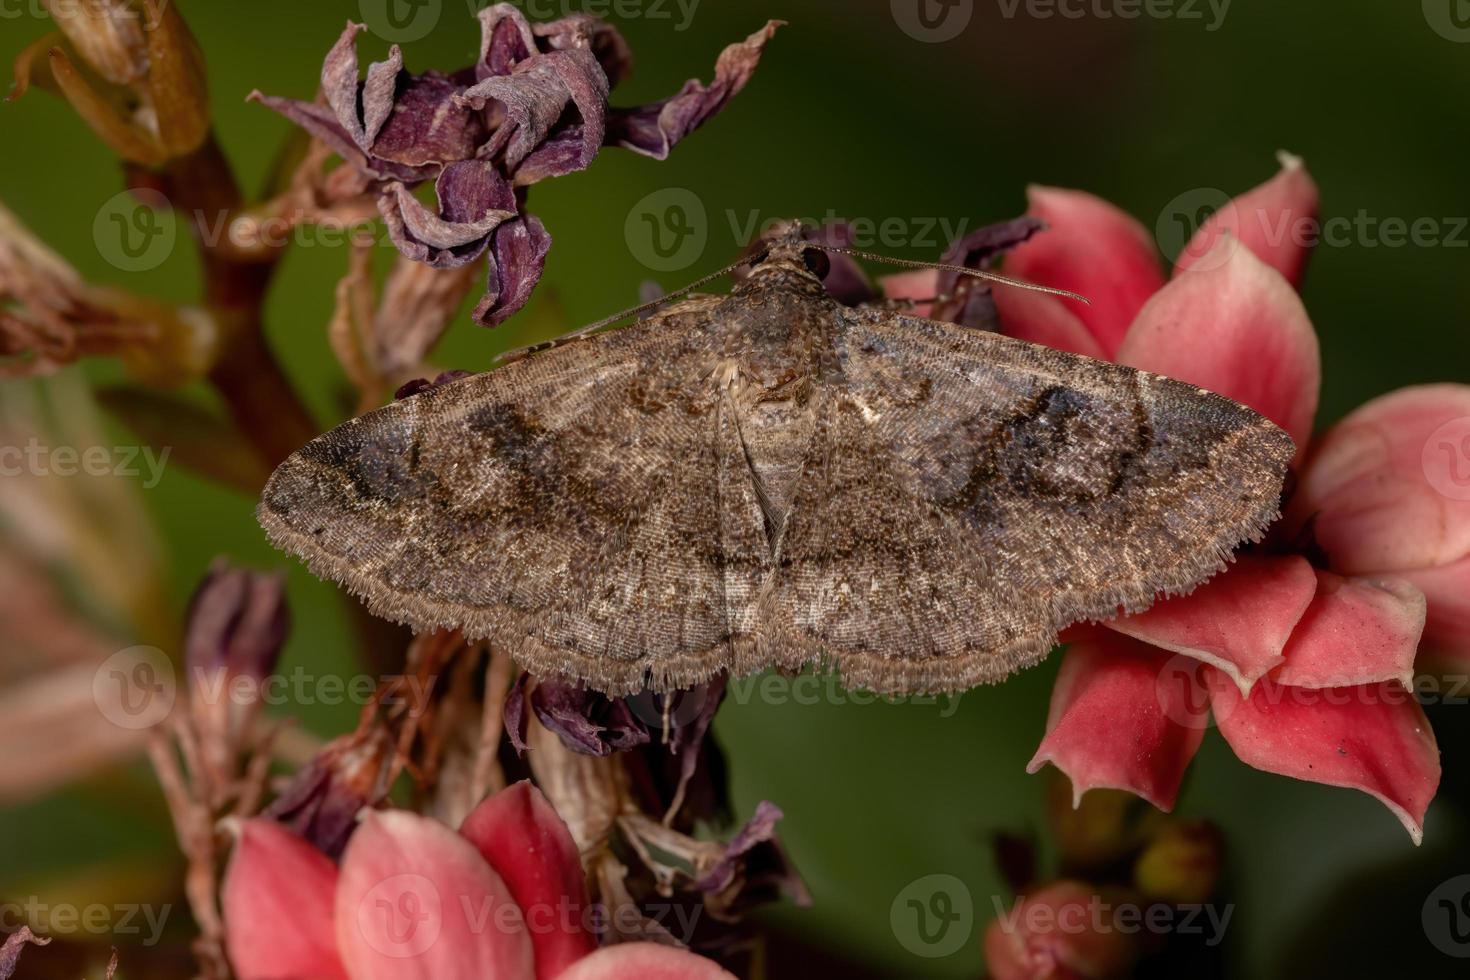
(770, 478)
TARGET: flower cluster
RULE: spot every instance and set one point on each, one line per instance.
(1303, 652)
(535, 105)
(505, 896)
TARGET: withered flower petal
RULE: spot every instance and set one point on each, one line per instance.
(322, 801)
(428, 126)
(759, 830)
(15, 943)
(653, 129)
(517, 259)
(391, 125)
(417, 385)
(238, 621)
(586, 721)
(513, 714)
(474, 200)
(534, 98)
(964, 299)
(508, 38)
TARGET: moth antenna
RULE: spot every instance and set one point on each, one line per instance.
(578, 334)
(962, 270)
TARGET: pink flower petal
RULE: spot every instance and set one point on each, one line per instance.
(1445, 647)
(1388, 488)
(1277, 221)
(1239, 621)
(1356, 631)
(1373, 737)
(919, 284)
(1094, 249)
(278, 899)
(416, 900)
(1124, 715)
(1236, 327)
(518, 832)
(1044, 319)
(645, 961)
(1057, 933)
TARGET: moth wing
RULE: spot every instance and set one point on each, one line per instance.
(566, 505)
(969, 495)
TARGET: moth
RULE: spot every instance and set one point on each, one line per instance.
(770, 478)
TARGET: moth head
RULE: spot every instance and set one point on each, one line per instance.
(786, 249)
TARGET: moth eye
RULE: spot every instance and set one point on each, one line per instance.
(817, 261)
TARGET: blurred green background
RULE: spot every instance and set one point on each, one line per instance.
(851, 116)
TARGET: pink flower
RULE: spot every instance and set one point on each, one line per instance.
(1062, 931)
(1303, 651)
(505, 897)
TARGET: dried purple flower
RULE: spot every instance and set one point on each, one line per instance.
(322, 801)
(418, 385)
(754, 867)
(534, 106)
(964, 299)
(586, 721)
(653, 129)
(238, 622)
(393, 125)
(474, 200)
(537, 138)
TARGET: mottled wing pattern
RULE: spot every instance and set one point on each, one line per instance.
(567, 506)
(969, 495)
